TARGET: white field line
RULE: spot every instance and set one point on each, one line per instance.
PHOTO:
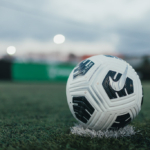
(85, 132)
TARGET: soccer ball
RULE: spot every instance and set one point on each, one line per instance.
(104, 92)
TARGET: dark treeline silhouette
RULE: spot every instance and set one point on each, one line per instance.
(5, 70)
(144, 69)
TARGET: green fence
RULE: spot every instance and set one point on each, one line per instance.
(41, 72)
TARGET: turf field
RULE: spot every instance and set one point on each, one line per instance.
(36, 116)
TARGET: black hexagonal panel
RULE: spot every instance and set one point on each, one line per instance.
(111, 92)
(142, 96)
(113, 57)
(82, 108)
(82, 68)
(121, 121)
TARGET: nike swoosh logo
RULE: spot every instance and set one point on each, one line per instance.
(118, 85)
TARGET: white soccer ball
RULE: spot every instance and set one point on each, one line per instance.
(104, 92)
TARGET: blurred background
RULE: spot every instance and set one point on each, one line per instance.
(43, 40)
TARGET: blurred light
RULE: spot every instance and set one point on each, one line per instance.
(11, 50)
(59, 39)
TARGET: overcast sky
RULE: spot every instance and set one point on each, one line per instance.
(90, 27)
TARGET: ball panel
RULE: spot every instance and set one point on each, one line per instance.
(82, 108)
(104, 121)
(121, 121)
(82, 68)
(142, 97)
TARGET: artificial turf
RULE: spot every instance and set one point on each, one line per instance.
(36, 116)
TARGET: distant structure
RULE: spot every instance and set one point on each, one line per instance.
(140, 63)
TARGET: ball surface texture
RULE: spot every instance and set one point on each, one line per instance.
(104, 92)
